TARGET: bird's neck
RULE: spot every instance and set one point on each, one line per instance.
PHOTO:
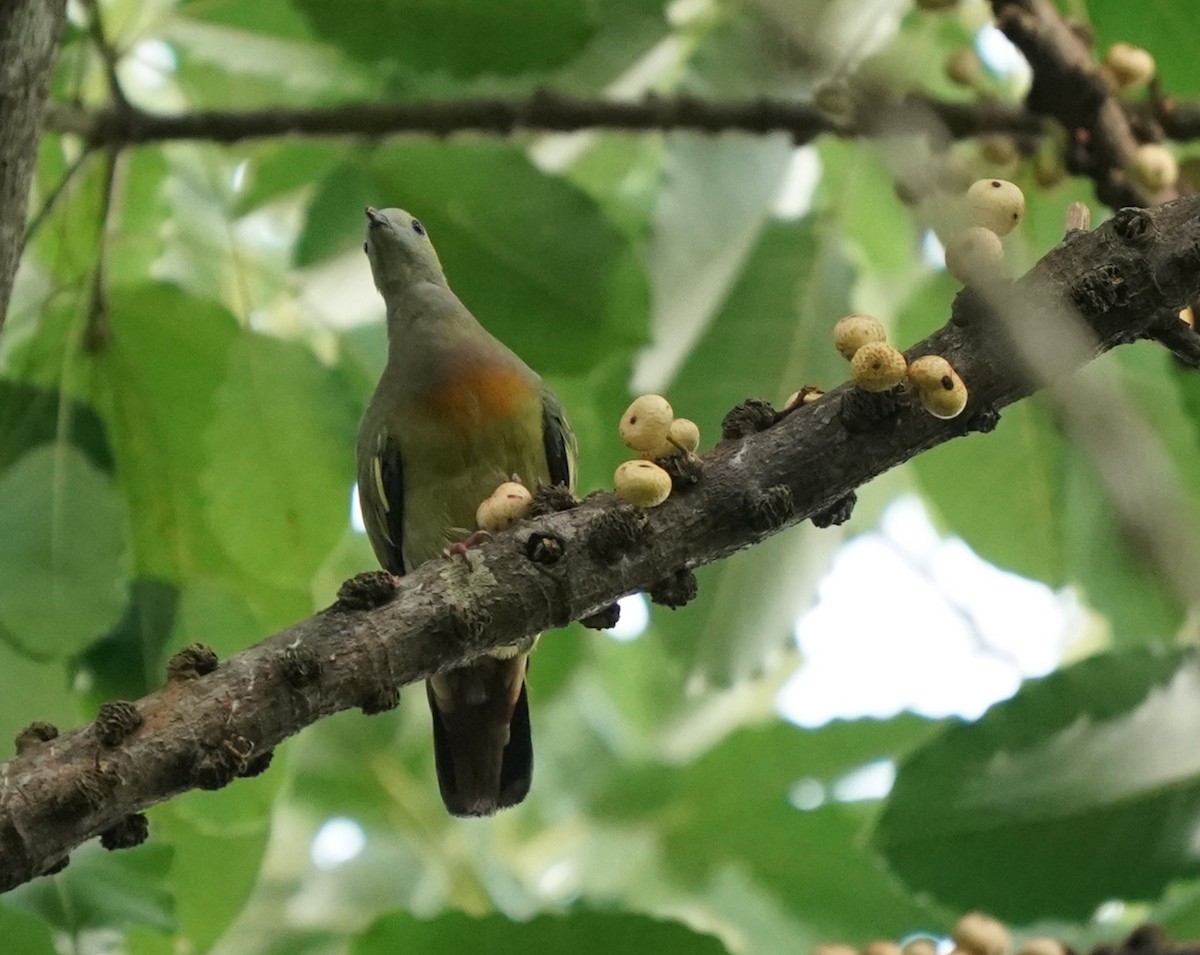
(429, 314)
(416, 302)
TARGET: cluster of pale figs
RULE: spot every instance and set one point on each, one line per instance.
(877, 365)
(973, 934)
(650, 428)
(975, 255)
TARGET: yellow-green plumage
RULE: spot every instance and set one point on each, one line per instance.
(455, 414)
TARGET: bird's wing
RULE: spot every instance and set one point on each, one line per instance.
(381, 496)
(559, 441)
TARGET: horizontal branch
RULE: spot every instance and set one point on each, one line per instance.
(207, 726)
(541, 112)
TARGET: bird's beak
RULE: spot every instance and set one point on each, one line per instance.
(374, 216)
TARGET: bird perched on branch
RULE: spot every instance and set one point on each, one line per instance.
(455, 414)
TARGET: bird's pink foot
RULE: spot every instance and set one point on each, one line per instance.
(460, 548)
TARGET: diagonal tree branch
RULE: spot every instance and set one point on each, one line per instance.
(29, 38)
(1068, 86)
(210, 724)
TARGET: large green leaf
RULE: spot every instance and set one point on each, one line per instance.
(1087, 783)
(580, 932)
(529, 254)
(62, 566)
(32, 690)
(25, 933)
(103, 891)
(731, 807)
(1016, 472)
(1165, 27)
(857, 194)
(126, 663)
(217, 841)
(280, 465)
(155, 386)
(486, 36)
(218, 615)
(712, 207)
(30, 416)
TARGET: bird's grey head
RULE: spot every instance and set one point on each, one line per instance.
(399, 251)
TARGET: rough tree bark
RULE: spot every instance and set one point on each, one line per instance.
(208, 726)
(29, 36)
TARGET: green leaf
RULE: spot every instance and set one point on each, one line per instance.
(486, 36)
(155, 385)
(731, 807)
(33, 690)
(340, 200)
(217, 841)
(1017, 472)
(25, 933)
(126, 663)
(712, 207)
(280, 462)
(62, 566)
(278, 18)
(546, 273)
(857, 194)
(1167, 28)
(580, 932)
(30, 416)
(278, 167)
(1096, 762)
(216, 614)
(102, 890)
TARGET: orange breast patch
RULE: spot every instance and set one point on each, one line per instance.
(477, 393)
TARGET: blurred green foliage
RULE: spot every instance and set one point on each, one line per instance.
(190, 479)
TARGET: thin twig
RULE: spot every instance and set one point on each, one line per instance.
(541, 112)
(95, 334)
(55, 194)
(108, 54)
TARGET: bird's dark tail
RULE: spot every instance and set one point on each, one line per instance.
(481, 737)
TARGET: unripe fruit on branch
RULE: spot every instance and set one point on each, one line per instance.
(507, 505)
(996, 204)
(642, 483)
(938, 385)
(684, 435)
(975, 256)
(646, 423)
(1154, 167)
(1129, 65)
(854, 331)
(878, 366)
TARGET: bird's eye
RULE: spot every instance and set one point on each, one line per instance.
(364, 247)
(417, 227)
